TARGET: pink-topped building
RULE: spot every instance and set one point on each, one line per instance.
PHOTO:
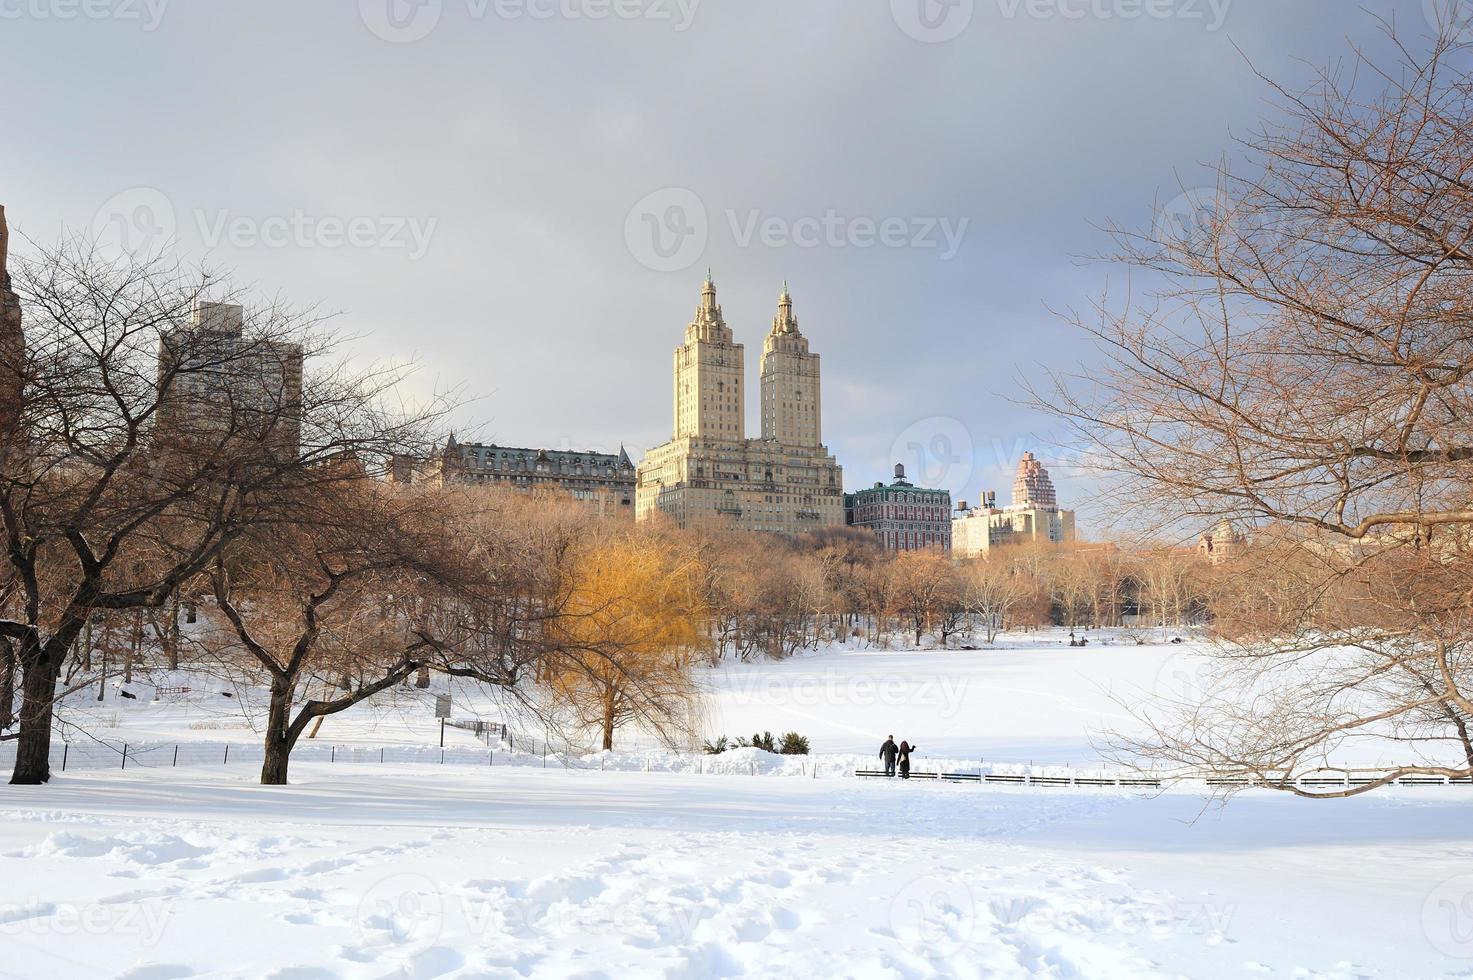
(1032, 486)
(1033, 516)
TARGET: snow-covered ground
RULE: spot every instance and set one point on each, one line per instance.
(1032, 698)
(418, 869)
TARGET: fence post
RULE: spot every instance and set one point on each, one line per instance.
(333, 757)
(380, 755)
(227, 754)
(125, 755)
(492, 763)
(65, 748)
(176, 756)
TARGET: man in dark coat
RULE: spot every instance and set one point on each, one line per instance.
(904, 754)
(888, 752)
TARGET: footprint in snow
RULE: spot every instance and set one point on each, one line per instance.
(157, 971)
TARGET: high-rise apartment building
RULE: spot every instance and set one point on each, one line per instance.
(219, 382)
(1033, 516)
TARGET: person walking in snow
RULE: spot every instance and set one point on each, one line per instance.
(888, 752)
(904, 755)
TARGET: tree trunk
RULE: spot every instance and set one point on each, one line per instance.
(171, 630)
(135, 647)
(33, 746)
(279, 738)
(7, 684)
(278, 758)
(609, 723)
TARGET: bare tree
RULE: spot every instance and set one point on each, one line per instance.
(108, 502)
(990, 588)
(1302, 368)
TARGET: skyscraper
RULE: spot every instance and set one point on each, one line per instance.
(786, 481)
(218, 382)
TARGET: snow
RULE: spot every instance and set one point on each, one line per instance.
(424, 871)
(695, 868)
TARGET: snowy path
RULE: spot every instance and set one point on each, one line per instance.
(423, 872)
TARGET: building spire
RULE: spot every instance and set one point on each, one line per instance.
(785, 322)
(708, 292)
(709, 324)
(4, 250)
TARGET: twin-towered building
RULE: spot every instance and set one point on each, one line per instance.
(785, 481)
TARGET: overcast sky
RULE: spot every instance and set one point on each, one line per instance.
(524, 195)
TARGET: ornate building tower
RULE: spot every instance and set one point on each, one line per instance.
(791, 399)
(12, 340)
(1032, 487)
(709, 399)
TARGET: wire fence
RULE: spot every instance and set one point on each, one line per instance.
(532, 752)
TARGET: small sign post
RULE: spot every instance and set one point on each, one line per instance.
(442, 712)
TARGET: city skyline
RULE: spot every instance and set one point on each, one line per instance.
(487, 236)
